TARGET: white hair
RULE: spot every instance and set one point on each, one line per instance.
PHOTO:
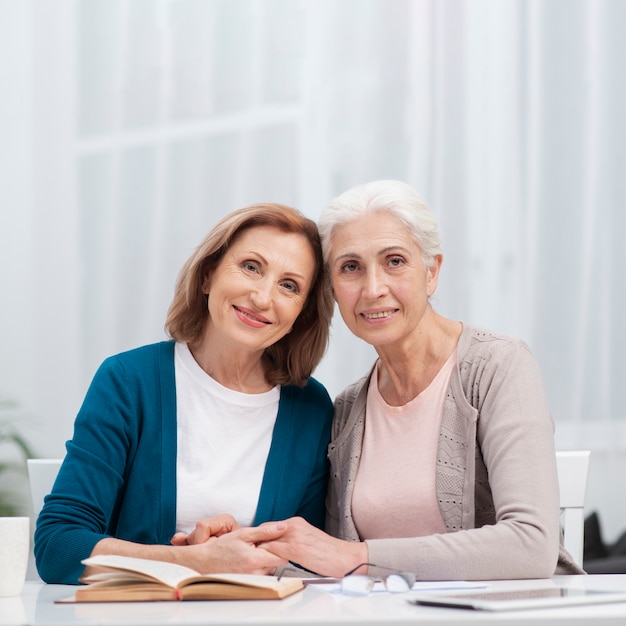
(390, 196)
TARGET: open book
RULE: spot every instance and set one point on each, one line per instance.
(127, 579)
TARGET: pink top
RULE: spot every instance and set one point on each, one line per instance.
(394, 491)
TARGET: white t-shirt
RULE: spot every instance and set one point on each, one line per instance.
(224, 437)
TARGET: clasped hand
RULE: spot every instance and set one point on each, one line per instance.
(265, 548)
(220, 544)
(205, 529)
(315, 550)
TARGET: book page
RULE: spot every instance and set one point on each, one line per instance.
(175, 576)
(169, 574)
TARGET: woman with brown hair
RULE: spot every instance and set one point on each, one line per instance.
(223, 418)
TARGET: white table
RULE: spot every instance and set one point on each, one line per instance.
(35, 607)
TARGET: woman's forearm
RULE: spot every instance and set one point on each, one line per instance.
(237, 552)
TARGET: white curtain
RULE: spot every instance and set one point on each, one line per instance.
(130, 126)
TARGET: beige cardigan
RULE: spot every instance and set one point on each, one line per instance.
(496, 478)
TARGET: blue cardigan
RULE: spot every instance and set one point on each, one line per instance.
(118, 478)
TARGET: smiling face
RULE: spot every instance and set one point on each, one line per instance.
(259, 287)
(379, 278)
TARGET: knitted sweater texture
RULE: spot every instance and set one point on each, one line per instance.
(496, 480)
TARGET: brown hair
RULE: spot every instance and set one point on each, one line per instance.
(292, 359)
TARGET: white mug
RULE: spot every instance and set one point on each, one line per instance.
(14, 550)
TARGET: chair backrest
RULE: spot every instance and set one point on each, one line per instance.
(573, 469)
(41, 475)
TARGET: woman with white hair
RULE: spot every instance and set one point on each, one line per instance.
(442, 456)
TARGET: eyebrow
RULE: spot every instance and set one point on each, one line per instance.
(289, 274)
(387, 250)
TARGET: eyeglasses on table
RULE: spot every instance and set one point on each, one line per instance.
(362, 584)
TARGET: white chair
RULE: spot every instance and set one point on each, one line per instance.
(573, 469)
(41, 476)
